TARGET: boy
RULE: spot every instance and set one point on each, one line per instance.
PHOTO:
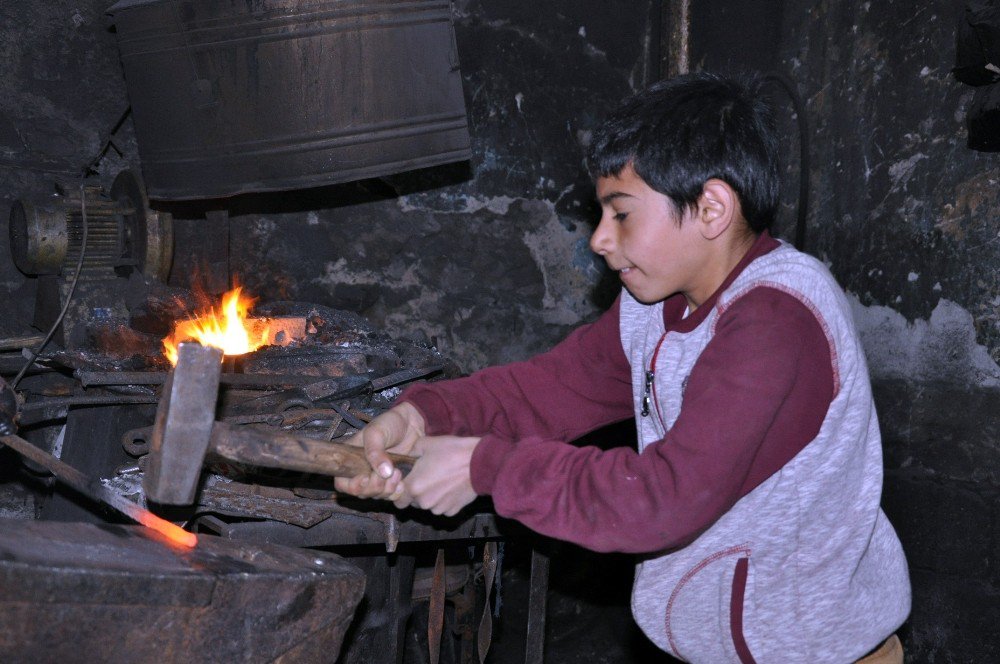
(754, 495)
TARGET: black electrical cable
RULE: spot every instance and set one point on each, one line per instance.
(69, 294)
(788, 85)
(109, 142)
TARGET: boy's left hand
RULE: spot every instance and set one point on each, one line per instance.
(440, 481)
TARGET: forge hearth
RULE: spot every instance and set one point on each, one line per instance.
(319, 377)
(323, 375)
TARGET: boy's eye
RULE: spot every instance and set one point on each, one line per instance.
(620, 216)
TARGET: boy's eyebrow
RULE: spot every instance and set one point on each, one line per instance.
(604, 200)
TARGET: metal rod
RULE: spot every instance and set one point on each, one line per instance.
(404, 376)
(95, 378)
(537, 590)
(17, 343)
(60, 402)
(97, 491)
(350, 419)
(676, 27)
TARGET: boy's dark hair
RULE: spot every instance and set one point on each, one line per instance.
(680, 133)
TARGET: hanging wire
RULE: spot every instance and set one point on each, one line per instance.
(69, 294)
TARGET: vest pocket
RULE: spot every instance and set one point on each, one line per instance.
(736, 604)
(705, 609)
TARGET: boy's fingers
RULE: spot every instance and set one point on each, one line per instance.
(394, 481)
(380, 462)
(351, 485)
(406, 496)
(362, 486)
(401, 498)
(384, 432)
(389, 430)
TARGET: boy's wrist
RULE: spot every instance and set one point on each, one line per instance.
(487, 459)
(431, 407)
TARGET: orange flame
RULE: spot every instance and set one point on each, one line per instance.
(224, 328)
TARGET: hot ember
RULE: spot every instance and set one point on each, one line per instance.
(225, 328)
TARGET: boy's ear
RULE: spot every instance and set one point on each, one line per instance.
(718, 208)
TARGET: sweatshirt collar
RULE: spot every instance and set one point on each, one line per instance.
(675, 305)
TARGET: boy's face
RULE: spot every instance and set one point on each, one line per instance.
(656, 253)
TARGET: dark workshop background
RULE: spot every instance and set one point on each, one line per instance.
(489, 260)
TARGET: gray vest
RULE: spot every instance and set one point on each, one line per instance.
(826, 576)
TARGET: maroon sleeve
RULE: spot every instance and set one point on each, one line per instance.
(757, 395)
(582, 384)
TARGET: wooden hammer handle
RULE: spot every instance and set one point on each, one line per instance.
(269, 449)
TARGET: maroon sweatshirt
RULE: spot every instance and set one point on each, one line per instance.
(757, 395)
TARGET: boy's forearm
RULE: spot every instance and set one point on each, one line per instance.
(581, 384)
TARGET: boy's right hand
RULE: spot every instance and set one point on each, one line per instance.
(395, 430)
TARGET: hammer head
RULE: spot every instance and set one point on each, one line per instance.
(183, 425)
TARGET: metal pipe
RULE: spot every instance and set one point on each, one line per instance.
(17, 343)
(96, 378)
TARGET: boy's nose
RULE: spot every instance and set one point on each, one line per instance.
(602, 241)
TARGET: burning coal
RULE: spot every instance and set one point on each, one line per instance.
(225, 327)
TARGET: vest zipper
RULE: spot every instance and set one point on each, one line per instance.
(649, 389)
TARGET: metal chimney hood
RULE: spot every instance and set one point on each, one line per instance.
(231, 97)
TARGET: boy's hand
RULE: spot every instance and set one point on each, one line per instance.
(396, 430)
(440, 480)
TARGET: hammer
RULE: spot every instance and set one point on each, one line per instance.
(185, 432)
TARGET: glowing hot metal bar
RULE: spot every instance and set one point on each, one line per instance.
(99, 492)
